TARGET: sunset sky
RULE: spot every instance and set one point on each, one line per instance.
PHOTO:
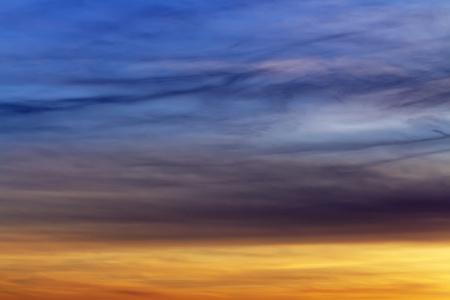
(225, 149)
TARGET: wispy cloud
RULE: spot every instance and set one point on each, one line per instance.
(225, 120)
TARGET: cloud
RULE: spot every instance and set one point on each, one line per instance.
(162, 200)
(226, 121)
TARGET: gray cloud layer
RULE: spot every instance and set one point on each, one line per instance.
(254, 120)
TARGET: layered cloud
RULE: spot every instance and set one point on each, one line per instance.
(193, 121)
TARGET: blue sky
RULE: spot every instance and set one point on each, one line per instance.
(317, 119)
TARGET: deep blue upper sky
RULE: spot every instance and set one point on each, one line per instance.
(250, 112)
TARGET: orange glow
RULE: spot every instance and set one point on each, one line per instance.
(311, 272)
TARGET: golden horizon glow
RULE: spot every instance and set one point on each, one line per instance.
(312, 272)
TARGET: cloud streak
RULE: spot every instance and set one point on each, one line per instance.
(226, 121)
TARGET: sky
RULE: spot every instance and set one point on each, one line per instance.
(225, 149)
